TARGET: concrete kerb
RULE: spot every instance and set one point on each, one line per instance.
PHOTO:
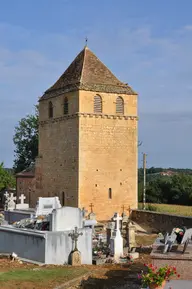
(72, 282)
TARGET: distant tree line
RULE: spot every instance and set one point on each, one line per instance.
(174, 189)
(7, 179)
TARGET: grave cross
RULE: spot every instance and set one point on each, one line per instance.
(6, 200)
(12, 198)
(6, 195)
(74, 236)
(22, 198)
(91, 206)
(117, 218)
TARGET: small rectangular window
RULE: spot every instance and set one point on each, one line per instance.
(66, 106)
(110, 193)
(63, 196)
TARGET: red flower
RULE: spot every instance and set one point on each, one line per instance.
(178, 275)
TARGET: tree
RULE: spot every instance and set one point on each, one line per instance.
(26, 141)
(176, 189)
(7, 180)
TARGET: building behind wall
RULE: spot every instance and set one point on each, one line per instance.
(88, 139)
(26, 184)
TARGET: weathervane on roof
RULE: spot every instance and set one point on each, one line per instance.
(86, 40)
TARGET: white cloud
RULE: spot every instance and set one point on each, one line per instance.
(188, 27)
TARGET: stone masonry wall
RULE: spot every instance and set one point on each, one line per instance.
(84, 154)
(26, 186)
(58, 151)
(159, 222)
(107, 155)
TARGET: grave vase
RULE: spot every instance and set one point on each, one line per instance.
(155, 286)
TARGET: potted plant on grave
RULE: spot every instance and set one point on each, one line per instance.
(155, 278)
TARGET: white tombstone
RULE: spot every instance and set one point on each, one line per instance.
(22, 205)
(66, 218)
(11, 202)
(116, 241)
(45, 206)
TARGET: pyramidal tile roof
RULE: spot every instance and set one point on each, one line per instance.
(87, 72)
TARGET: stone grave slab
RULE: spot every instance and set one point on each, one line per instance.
(178, 284)
(183, 262)
(134, 255)
(75, 258)
(131, 236)
(99, 261)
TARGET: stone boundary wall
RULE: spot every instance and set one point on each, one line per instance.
(159, 222)
(45, 246)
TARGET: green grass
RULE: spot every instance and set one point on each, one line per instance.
(43, 275)
(170, 209)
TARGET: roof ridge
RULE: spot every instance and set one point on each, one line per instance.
(85, 48)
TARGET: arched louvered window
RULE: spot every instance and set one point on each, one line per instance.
(50, 110)
(66, 106)
(97, 104)
(119, 105)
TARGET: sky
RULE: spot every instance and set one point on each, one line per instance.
(145, 43)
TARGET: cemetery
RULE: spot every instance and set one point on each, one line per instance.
(52, 235)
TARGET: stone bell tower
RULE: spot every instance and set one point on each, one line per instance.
(88, 139)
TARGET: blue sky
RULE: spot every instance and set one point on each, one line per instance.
(146, 43)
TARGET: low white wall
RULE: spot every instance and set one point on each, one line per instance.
(26, 244)
(45, 247)
(59, 245)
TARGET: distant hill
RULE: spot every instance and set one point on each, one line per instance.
(161, 172)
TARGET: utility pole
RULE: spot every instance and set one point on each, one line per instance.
(144, 181)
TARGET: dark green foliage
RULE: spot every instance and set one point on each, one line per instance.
(26, 142)
(174, 189)
(7, 180)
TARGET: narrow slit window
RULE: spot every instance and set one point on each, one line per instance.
(97, 104)
(66, 106)
(50, 109)
(119, 105)
(110, 193)
(63, 197)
